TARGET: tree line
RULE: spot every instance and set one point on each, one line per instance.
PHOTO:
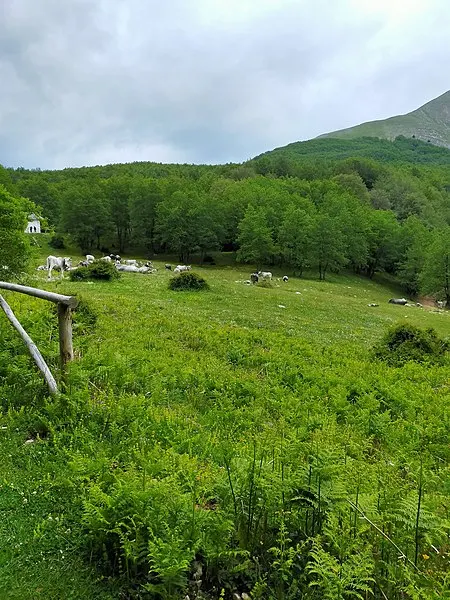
(309, 214)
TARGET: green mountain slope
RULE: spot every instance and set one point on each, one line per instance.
(430, 123)
(400, 151)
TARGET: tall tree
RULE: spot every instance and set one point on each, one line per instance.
(415, 238)
(84, 215)
(255, 238)
(383, 242)
(435, 276)
(295, 237)
(14, 247)
(145, 195)
(328, 244)
(186, 224)
(117, 192)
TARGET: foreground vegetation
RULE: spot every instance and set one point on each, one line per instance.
(240, 439)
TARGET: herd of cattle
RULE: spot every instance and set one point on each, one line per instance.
(62, 264)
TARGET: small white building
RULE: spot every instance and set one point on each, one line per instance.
(33, 225)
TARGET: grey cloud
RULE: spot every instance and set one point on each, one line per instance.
(88, 82)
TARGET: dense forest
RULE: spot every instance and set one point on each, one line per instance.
(368, 205)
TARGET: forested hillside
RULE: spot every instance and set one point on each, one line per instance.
(367, 205)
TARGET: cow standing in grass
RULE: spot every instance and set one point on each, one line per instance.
(59, 263)
(265, 275)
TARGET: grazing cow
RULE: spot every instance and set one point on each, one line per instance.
(89, 258)
(127, 268)
(59, 263)
(400, 301)
(115, 257)
(134, 269)
(265, 275)
(285, 278)
(168, 267)
(181, 268)
(441, 303)
(254, 277)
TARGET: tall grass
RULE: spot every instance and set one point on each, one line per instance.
(238, 441)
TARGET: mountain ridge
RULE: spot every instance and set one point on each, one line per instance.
(429, 123)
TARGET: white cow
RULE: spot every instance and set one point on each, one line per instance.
(182, 268)
(59, 263)
(265, 275)
(90, 258)
(134, 269)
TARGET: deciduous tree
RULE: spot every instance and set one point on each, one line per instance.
(14, 247)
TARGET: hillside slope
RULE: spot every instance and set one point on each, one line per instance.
(430, 123)
(399, 151)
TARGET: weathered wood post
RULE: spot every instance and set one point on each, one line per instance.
(32, 348)
(65, 334)
(65, 305)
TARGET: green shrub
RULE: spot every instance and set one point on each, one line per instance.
(103, 270)
(404, 343)
(264, 283)
(80, 274)
(98, 270)
(57, 241)
(188, 281)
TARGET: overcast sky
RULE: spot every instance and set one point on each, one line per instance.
(87, 82)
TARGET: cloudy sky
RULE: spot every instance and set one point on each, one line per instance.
(87, 82)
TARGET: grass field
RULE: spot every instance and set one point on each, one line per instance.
(191, 425)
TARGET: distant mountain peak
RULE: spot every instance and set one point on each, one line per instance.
(430, 123)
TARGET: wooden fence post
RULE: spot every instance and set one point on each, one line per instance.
(32, 348)
(65, 305)
(65, 334)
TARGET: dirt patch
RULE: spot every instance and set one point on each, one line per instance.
(427, 302)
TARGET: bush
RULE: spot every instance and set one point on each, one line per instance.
(187, 281)
(98, 270)
(80, 274)
(57, 241)
(264, 283)
(209, 260)
(404, 343)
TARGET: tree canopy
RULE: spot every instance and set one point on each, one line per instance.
(328, 204)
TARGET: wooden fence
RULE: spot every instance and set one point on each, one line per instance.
(65, 305)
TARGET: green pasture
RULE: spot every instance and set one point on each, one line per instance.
(231, 398)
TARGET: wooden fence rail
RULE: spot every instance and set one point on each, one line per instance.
(65, 305)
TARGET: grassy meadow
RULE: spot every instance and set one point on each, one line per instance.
(236, 440)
